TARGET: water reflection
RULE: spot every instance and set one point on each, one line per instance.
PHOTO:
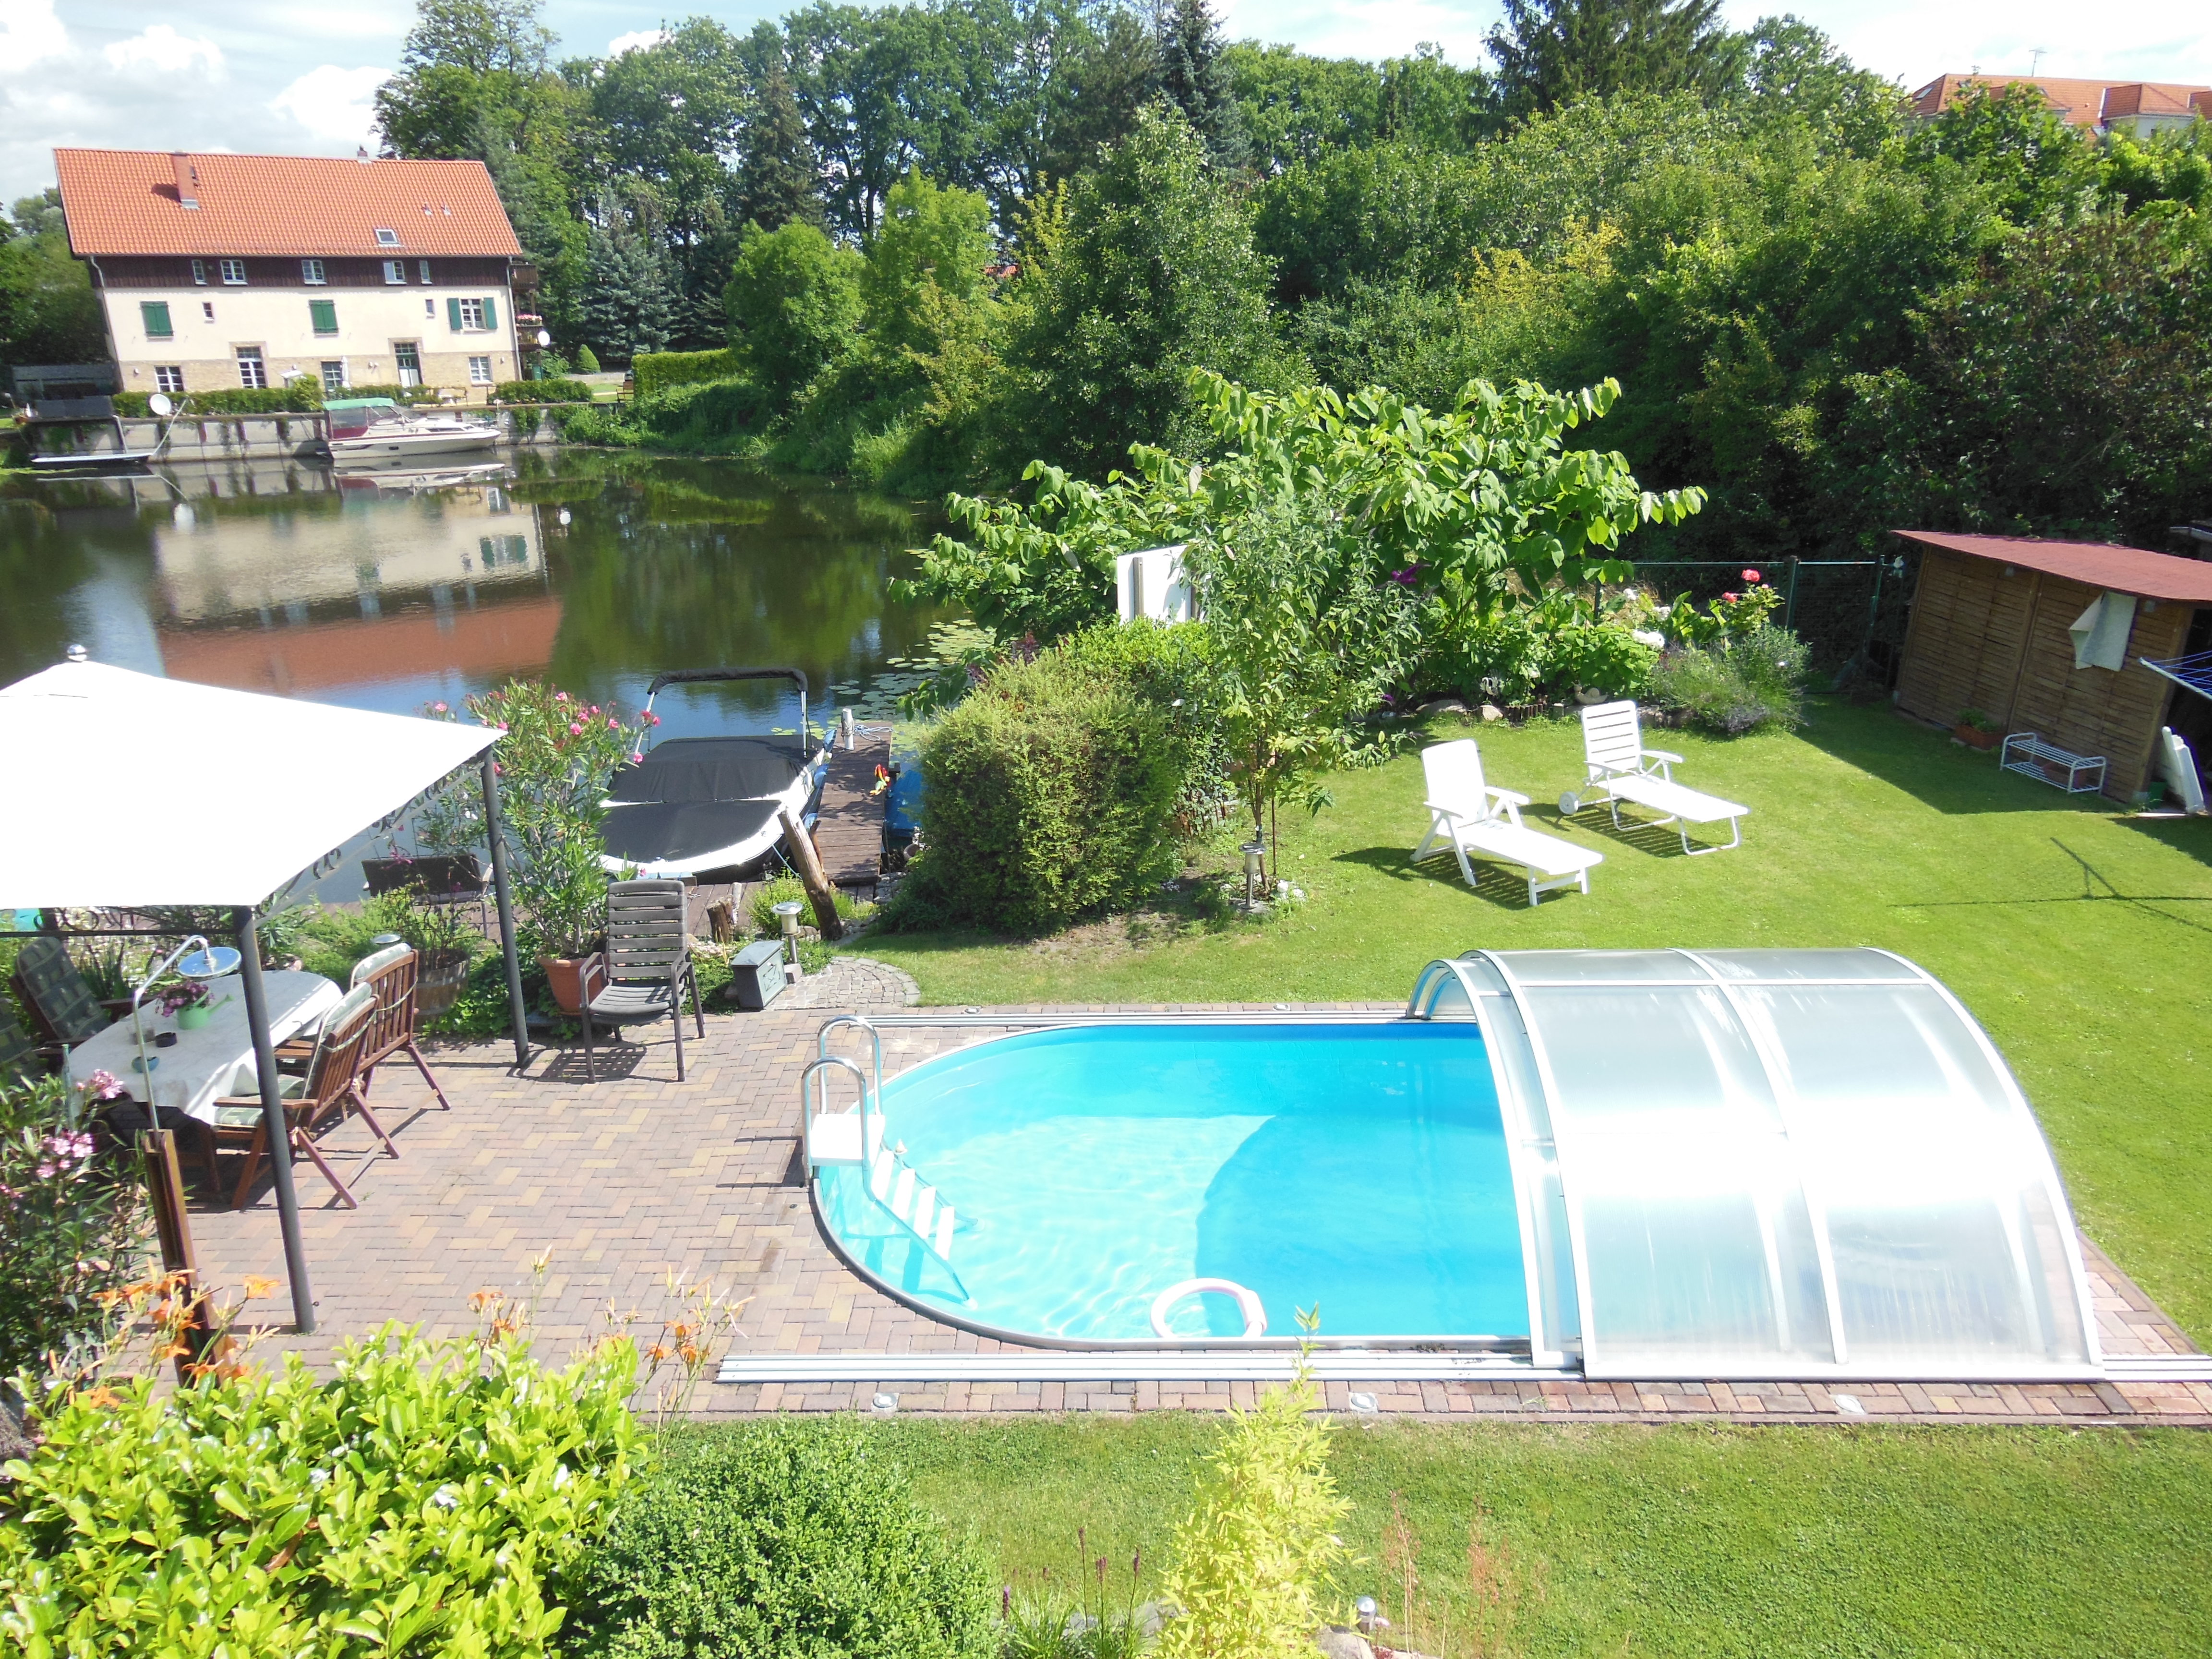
(388, 590)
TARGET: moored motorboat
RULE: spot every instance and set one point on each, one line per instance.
(695, 806)
(376, 429)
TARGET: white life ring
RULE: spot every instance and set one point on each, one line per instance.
(1247, 1302)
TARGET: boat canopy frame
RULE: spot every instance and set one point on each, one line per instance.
(1771, 1164)
(701, 676)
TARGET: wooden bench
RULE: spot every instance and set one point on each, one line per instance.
(2031, 757)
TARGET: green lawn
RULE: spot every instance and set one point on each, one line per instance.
(2082, 938)
(1703, 1541)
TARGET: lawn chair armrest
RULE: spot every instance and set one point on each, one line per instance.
(1662, 755)
(1513, 795)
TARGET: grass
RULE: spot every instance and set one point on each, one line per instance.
(2080, 936)
(1691, 1541)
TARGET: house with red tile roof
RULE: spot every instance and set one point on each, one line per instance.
(219, 270)
(2138, 108)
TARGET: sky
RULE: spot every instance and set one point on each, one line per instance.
(256, 75)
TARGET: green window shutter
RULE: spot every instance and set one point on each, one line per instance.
(491, 314)
(325, 314)
(156, 315)
(454, 314)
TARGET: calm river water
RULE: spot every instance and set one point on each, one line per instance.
(593, 569)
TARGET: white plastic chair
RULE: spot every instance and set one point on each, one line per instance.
(1622, 769)
(1468, 816)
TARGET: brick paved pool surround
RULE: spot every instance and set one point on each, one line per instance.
(627, 1179)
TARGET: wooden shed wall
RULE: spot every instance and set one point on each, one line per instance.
(1981, 639)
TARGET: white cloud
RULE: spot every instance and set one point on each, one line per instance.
(636, 41)
(30, 33)
(335, 104)
(162, 49)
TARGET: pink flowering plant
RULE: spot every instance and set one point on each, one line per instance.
(72, 1228)
(556, 759)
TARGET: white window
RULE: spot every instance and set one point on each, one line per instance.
(199, 272)
(395, 271)
(334, 377)
(425, 265)
(311, 272)
(479, 371)
(169, 377)
(234, 272)
(387, 238)
(429, 307)
(472, 315)
(207, 310)
(253, 373)
(409, 356)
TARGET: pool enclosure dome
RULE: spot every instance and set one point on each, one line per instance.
(1788, 1164)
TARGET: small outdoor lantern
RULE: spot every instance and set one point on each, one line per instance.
(1254, 851)
(786, 915)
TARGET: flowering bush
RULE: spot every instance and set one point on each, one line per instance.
(1733, 613)
(72, 1226)
(427, 1498)
(557, 757)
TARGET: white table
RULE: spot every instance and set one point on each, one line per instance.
(199, 1069)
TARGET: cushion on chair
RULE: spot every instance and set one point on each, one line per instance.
(370, 966)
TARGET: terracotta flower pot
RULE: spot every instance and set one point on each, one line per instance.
(1974, 738)
(566, 975)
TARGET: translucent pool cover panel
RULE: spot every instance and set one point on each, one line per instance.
(1794, 1163)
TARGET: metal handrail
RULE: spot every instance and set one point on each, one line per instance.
(807, 1109)
(821, 1044)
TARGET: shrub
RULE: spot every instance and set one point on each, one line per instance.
(587, 362)
(663, 371)
(548, 391)
(299, 397)
(761, 907)
(1171, 667)
(1755, 679)
(1251, 1557)
(789, 1537)
(427, 1498)
(1049, 794)
(398, 394)
(72, 1226)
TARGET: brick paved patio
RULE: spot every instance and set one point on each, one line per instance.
(618, 1183)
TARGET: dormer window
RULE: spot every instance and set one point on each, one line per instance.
(395, 271)
(199, 272)
(425, 263)
(310, 273)
(234, 272)
(387, 238)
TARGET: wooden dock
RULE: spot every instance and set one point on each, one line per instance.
(849, 834)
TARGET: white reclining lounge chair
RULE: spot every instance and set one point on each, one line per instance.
(1468, 816)
(1622, 768)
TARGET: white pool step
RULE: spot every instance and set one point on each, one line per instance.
(912, 1201)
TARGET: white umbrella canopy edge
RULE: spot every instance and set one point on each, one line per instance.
(129, 789)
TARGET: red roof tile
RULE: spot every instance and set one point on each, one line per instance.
(122, 202)
(2082, 103)
(2099, 564)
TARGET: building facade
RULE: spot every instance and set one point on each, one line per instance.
(2137, 108)
(222, 272)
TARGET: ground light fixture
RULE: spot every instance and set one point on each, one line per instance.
(1254, 851)
(205, 962)
(786, 915)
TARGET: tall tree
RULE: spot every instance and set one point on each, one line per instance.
(48, 312)
(1110, 72)
(1194, 78)
(467, 62)
(1551, 52)
(779, 176)
(630, 296)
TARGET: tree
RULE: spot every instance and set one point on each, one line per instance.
(1195, 79)
(927, 238)
(779, 176)
(1152, 272)
(1793, 72)
(1551, 53)
(2009, 141)
(1110, 72)
(469, 63)
(48, 311)
(793, 304)
(630, 296)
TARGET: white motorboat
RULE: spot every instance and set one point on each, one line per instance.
(376, 429)
(696, 805)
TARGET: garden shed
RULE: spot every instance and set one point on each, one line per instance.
(2054, 638)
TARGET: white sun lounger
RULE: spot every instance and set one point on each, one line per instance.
(1622, 768)
(1468, 816)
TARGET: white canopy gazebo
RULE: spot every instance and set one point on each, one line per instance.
(128, 790)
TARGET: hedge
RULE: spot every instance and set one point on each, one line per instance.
(1049, 794)
(300, 397)
(656, 371)
(553, 390)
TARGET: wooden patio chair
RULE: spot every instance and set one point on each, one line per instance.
(23, 1058)
(330, 1089)
(391, 972)
(59, 1001)
(646, 966)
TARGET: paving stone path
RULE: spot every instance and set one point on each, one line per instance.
(618, 1184)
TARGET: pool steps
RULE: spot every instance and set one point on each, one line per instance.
(854, 1138)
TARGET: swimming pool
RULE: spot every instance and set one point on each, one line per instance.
(1358, 1167)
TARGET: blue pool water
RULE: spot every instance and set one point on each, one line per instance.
(1360, 1168)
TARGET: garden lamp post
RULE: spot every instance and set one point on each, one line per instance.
(1254, 850)
(786, 915)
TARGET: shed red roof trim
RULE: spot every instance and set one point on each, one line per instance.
(2099, 564)
(124, 202)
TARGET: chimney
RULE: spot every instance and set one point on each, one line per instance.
(188, 179)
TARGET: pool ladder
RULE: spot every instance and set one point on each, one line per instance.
(854, 1139)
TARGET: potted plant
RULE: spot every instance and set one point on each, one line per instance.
(565, 893)
(445, 942)
(1976, 730)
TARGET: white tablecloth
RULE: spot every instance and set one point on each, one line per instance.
(199, 1068)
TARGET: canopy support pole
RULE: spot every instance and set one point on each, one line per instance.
(505, 897)
(275, 1130)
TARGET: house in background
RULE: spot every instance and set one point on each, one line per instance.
(216, 271)
(2138, 108)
